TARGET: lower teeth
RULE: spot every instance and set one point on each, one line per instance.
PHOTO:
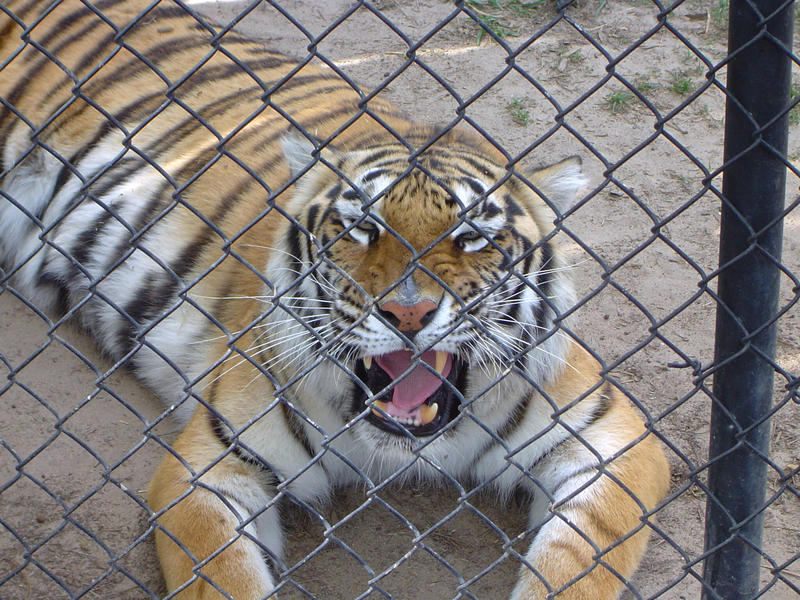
(428, 413)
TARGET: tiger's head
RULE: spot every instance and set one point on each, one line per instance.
(425, 280)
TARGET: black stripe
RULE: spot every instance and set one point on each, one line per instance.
(62, 291)
(472, 162)
(164, 141)
(138, 311)
(123, 169)
(476, 187)
(302, 80)
(491, 210)
(64, 174)
(545, 287)
(313, 212)
(507, 429)
(188, 258)
(293, 240)
(220, 431)
(374, 174)
(512, 208)
(511, 425)
(174, 12)
(298, 431)
(8, 27)
(375, 156)
(603, 403)
(332, 194)
(84, 243)
(591, 468)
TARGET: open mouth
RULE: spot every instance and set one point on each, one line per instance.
(411, 396)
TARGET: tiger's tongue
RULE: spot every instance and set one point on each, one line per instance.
(412, 390)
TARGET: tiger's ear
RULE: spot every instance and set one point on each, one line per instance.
(299, 151)
(560, 183)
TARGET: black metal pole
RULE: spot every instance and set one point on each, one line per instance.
(759, 78)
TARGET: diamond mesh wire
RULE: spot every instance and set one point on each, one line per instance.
(638, 89)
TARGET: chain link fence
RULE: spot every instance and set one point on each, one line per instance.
(639, 90)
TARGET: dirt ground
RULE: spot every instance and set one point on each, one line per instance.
(75, 449)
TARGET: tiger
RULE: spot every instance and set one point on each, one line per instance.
(323, 291)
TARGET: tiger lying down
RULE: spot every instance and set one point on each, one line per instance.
(382, 297)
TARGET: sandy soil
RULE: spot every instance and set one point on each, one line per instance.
(76, 443)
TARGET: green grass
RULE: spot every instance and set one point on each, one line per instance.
(494, 15)
(645, 86)
(720, 13)
(794, 113)
(574, 56)
(681, 84)
(618, 101)
(519, 114)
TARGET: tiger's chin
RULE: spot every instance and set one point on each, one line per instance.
(407, 394)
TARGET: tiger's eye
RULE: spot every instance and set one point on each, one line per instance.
(370, 229)
(471, 241)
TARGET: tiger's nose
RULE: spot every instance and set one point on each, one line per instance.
(408, 317)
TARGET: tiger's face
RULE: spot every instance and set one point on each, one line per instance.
(426, 281)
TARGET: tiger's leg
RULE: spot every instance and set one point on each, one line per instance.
(590, 511)
(206, 536)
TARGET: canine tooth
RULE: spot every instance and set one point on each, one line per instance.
(382, 405)
(428, 413)
(441, 360)
(368, 362)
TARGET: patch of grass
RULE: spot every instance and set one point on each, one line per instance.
(794, 113)
(690, 58)
(574, 56)
(644, 86)
(618, 101)
(719, 13)
(523, 9)
(681, 84)
(703, 111)
(680, 178)
(519, 113)
(493, 15)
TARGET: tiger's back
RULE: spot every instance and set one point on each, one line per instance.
(354, 297)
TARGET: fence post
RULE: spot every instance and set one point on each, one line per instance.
(758, 83)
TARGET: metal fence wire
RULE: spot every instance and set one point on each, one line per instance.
(685, 117)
